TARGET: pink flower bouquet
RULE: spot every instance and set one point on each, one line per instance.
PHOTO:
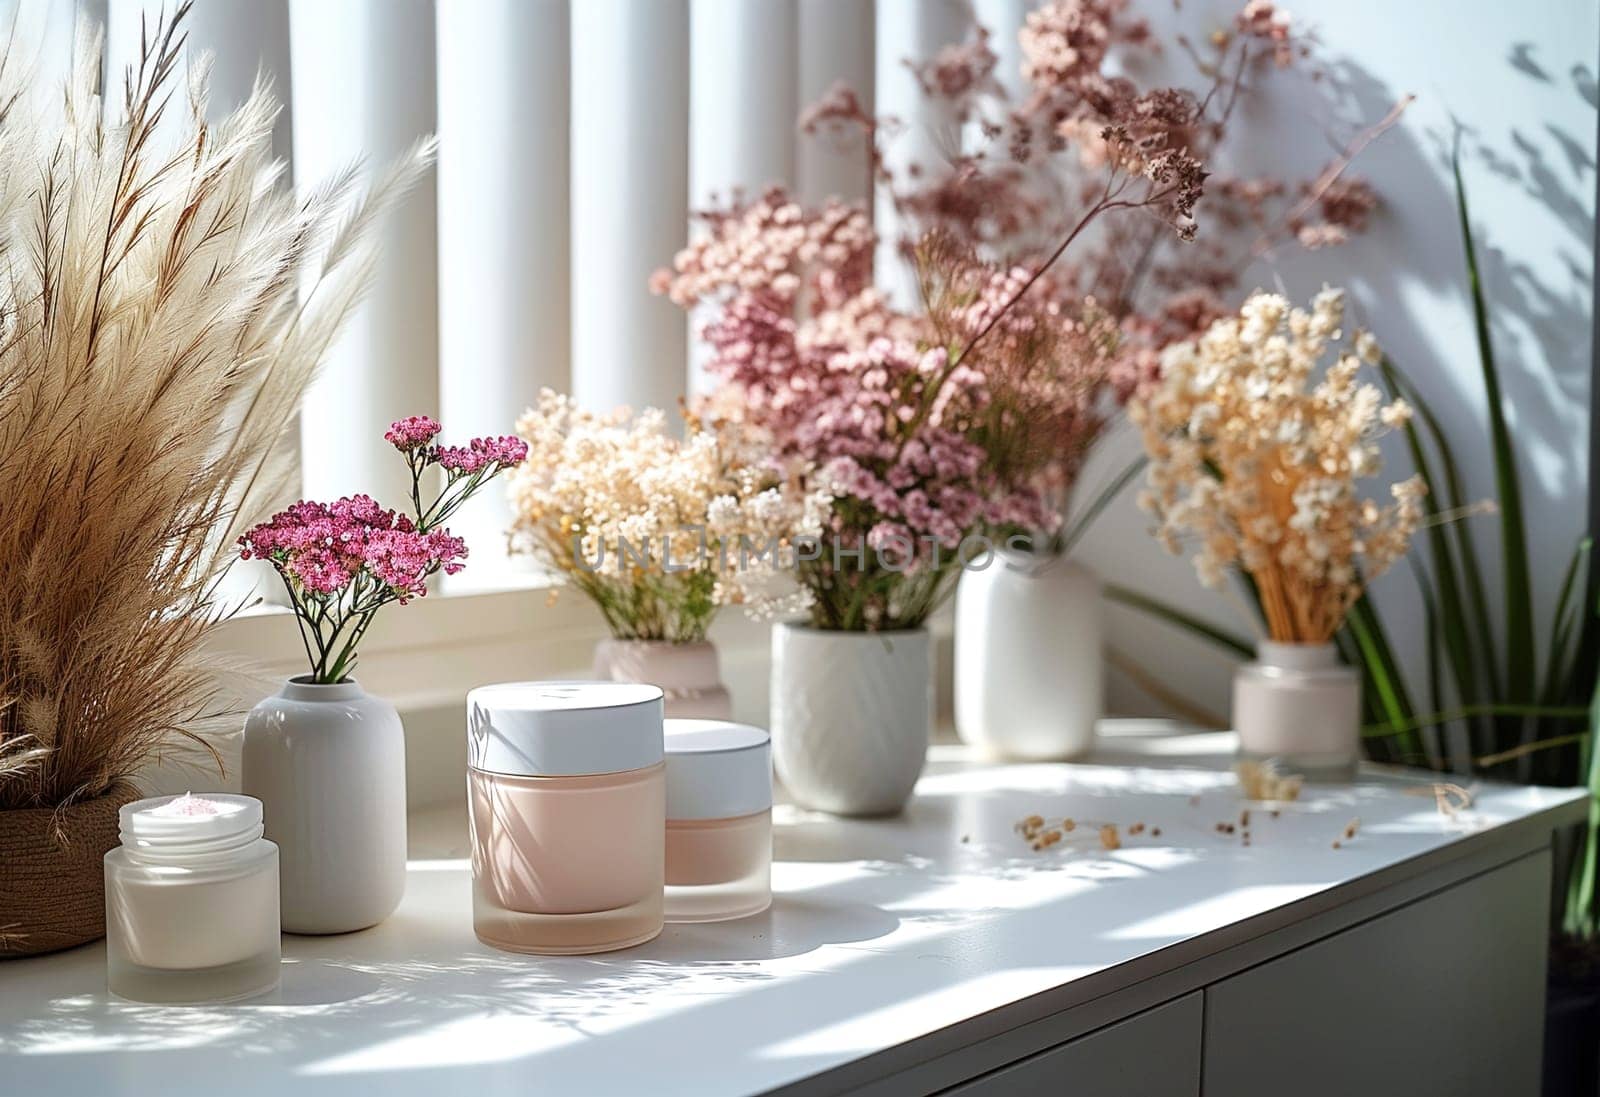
(969, 415)
(930, 429)
(344, 561)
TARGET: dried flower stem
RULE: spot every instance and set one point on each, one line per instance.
(1330, 175)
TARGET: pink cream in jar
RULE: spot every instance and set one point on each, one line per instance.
(566, 791)
(719, 821)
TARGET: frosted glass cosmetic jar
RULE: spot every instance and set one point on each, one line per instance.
(719, 821)
(567, 798)
(192, 901)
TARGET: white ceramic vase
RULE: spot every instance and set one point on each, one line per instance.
(1300, 708)
(851, 715)
(328, 763)
(688, 674)
(1029, 673)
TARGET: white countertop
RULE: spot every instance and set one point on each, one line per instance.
(881, 933)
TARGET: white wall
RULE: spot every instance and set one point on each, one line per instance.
(1522, 78)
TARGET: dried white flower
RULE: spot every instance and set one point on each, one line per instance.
(659, 532)
(1255, 458)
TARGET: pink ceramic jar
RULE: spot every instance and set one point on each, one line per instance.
(719, 821)
(566, 791)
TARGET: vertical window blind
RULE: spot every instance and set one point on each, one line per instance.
(573, 139)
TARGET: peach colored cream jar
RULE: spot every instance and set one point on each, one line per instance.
(719, 821)
(567, 798)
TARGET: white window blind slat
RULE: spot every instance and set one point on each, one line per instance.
(1003, 19)
(363, 86)
(630, 188)
(504, 309)
(574, 136)
(738, 142)
(835, 44)
(928, 133)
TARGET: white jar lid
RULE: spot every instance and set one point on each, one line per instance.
(717, 770)
(563, 729)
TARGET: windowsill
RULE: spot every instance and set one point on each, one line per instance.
(423, 658)
(435, 648)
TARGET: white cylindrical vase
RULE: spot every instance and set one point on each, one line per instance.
(328, 763)
(1029, 673)
(851, 714)
(1298, 707)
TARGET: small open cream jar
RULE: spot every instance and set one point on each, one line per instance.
(719, 821)
(567, 800)
(192, 901)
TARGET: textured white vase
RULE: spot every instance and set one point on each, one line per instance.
(689, 675)
(328, 764)
(851, 714)
(1029, 673)
(1300, 708)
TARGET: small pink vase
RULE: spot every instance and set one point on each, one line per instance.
(1298, 706)
(689, 674)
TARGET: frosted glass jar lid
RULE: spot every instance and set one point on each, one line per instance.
(563, 729)
(189, 824)
(717, 770)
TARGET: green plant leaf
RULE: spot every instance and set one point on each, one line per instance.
(1518, 587)
(1578, 917)
(1455, 498)
(1558, 671)
(1178, 618)
(1472, 671)
(1384, 676)
(1080, 525)
(1431, 638)
(1445, 716)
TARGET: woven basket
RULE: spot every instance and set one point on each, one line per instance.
(52, 873)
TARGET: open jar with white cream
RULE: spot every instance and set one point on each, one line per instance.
(192, 901)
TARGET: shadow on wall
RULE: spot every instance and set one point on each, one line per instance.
(1530, 169)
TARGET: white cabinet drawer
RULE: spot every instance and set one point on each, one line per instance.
(1152, 1054)
(1442, 997)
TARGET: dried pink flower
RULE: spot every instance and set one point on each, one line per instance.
(343, 561)
(1065, 41)
(975, 413)
(959, 71)
(1265, 20)
(774, 248)
(412, 432)
(481, 453)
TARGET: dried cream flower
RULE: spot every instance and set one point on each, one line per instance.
(659, 532)
(1254, 459)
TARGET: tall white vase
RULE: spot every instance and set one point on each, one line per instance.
(328, 763)
(851, 715)
(1299, 707)
(1029, 673)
